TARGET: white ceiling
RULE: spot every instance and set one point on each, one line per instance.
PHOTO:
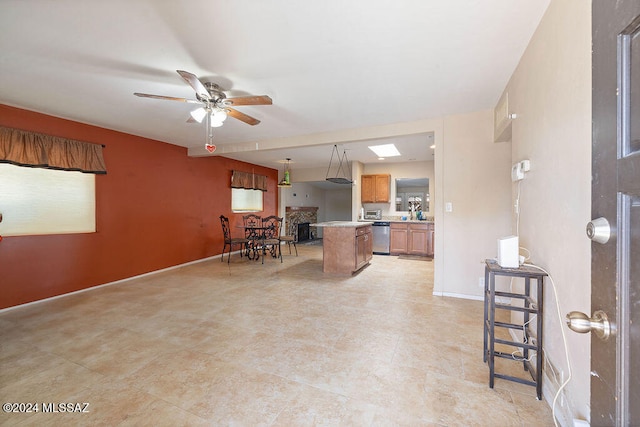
(329, 66)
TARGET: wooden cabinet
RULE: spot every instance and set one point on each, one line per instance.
(375, 188)
(411, 238)
(398, 233)
(364, 246)
(346, 249)
(417, 244)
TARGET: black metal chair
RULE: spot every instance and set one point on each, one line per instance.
(252, 232)
(251, 220)
(230, 241)
(290, 237)
(271, 236)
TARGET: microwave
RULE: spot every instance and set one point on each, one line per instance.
(373, 214)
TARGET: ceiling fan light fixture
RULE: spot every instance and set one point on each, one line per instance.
(216, 118)
(219, 115)
(198, 114)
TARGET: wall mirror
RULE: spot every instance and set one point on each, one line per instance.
(412, 192)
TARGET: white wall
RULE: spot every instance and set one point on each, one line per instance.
(303, 194)
(475, 179)
(337, 204)
(550, 91)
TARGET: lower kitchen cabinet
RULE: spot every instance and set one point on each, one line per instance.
(417, 244)
(398, 233)
(411, 238)
(364, 246)
(346, 249)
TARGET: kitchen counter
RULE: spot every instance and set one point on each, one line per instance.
(417, 221)
(342, 224)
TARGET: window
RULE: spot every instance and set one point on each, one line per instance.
(46, 201)
(243, 200)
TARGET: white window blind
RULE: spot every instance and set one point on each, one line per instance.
(46, 201)
(243, 200)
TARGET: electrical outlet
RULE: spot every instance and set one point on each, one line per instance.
(481, 282)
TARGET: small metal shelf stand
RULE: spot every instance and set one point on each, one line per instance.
(529, 308)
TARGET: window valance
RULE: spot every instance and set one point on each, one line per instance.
(249, 181)
(25, 148)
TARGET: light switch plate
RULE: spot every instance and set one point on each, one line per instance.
(448, 207)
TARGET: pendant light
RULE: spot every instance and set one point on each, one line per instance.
(344, 179)
(286, 175)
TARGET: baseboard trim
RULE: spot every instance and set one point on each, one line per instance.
(150, 273)
(455, 295)
(470, 297)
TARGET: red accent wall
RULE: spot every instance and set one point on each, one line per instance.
(155, 208)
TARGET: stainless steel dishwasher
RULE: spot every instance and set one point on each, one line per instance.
(381, 237)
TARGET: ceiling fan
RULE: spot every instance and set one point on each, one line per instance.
(216, 105)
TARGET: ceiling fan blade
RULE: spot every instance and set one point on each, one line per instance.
(249, 100)
(242, 117)
(196, 84)
(169, 98)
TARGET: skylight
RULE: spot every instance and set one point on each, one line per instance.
(386, 150)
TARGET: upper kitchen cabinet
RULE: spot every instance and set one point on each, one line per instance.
(375, 188)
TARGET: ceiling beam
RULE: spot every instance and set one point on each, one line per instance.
(323, 138)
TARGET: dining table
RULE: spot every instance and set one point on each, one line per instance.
(256, 234)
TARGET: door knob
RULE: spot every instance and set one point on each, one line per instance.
(581, 323)
(599, 230)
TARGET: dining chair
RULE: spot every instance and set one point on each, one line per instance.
(251, 220)
(252, 233)
(230, 241)
(271, 238)
(290, 237)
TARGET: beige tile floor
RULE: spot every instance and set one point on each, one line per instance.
(247, 344)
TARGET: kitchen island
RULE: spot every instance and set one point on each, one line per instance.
(347, 246)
